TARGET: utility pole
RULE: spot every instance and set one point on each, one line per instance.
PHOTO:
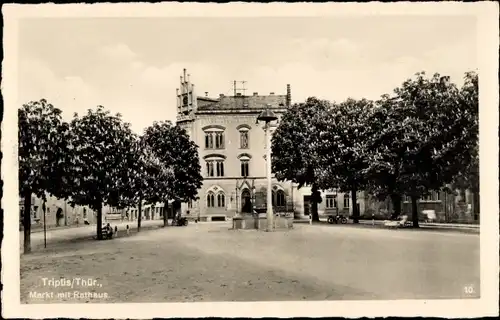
(44, 226)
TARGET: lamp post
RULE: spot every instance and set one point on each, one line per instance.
(267, 116)
(253, 200)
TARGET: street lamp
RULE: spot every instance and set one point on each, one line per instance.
(253, 200)
(267, 116)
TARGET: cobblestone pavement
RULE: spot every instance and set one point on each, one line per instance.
(209, 262)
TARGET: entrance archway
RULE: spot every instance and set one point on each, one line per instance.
(246, 201)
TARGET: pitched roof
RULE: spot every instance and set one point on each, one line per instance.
(244, 102)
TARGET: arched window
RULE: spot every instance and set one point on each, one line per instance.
(244, 139)
(221, 200)
(280, 198)
(215, 165)
(244, 168)
(214, 137)
(244, 131)
(210, 200)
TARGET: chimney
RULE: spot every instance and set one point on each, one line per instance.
(185, 74)
(271, 94)
(288, 95)
(255, 93)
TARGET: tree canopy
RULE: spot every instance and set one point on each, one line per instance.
(172, 147)
(43, 150)
(417, 140)
(295, 146)
(102, 147)
(343, 153)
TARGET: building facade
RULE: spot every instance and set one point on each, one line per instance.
(58, 213)
(231, 148)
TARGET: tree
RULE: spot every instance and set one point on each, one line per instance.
(343, 148)
(385, 155)
(102, 145)
(151, 180)
(43, 148)
(295, 145)
(419, 147)
(173, 149)
(468, 177)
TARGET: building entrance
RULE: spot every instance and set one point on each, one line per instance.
(246, 201)
(307, 205)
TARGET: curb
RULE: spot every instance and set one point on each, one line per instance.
(423, 226)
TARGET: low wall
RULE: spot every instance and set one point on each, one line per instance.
(260, 223)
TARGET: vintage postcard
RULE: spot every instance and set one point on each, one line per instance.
(250, 160)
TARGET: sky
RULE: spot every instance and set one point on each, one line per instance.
(132, 65)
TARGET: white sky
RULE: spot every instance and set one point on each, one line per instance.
(132, 65)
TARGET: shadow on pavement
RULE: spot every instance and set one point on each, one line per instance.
(55, 243)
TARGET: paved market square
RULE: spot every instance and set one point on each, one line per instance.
(209, 262)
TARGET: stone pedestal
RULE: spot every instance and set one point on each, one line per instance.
(260, 223)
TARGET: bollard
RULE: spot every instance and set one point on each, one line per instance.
(310, 219)
(373, 219)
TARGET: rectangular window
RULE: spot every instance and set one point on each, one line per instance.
(331, 201)
(244, 168)
(210, 168)
(244, 139)
(347, 201)
(219, 140)
(220, 168)
(427, 197)
(209, 140)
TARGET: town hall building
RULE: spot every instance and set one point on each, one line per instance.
(231, 150)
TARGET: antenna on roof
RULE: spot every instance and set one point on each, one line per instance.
(242, 90)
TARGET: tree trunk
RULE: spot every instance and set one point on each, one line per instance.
(475, 205)
(139, 215)
(355, 212)
(396, 205)
(165, 213)
(27, 221)
(414, 211)
(314, 202)
(99, 220)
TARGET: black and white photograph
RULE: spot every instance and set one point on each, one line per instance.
(250, 160)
